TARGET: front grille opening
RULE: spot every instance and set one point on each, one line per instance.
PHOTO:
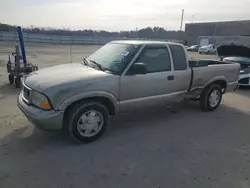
(26, 93)
(244, 81)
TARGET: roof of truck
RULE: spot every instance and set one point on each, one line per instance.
(141, 42)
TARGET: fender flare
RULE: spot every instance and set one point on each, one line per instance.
(86, 95)
(215, 79)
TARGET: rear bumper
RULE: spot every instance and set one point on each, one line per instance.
(44, 120)
(232, 87)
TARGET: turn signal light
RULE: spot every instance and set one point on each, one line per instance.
(45, 106)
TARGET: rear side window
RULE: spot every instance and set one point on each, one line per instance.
(179, 57)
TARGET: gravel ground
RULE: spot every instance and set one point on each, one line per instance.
(154, 148)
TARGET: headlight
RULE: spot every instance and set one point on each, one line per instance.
(40, 100)
(242, 72)
(245, 71)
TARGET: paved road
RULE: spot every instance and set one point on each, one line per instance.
(154, 148)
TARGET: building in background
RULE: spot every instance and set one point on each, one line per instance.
(218, 32)
(220, 40)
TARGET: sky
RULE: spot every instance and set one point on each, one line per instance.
(119, 15)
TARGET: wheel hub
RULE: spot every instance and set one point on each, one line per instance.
(90, 123)
(214, 98)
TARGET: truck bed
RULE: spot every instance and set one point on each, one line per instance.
(205, 63)
(206, 71)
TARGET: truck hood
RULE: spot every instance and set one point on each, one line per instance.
(60, 75)
(233, 51)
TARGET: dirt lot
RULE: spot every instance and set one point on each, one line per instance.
(152, 149)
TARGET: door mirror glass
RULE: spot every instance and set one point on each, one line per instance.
(138, 68)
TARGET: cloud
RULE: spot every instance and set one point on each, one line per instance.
(117, 14)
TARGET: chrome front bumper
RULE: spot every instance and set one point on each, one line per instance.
(44, 120)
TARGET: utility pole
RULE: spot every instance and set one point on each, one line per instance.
(182, 16)
(215, 28)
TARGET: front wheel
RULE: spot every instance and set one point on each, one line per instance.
(87, 121)
(210, 98)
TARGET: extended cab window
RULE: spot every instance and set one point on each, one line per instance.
(156, 59)
(179, 57)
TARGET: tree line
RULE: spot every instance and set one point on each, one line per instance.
(150, 33)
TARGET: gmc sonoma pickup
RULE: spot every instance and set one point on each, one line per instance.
(121, 76)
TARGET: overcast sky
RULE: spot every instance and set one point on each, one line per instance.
(116, 15)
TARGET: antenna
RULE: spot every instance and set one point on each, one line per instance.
(182, 16)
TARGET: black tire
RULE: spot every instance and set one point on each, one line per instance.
(11, 78)
(18, 82)
(204, 98)
(76, 111)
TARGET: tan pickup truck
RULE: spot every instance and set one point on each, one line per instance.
(121, 76)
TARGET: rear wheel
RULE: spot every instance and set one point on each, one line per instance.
(87, 121)
(211, 97)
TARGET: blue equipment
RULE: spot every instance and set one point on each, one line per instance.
(19, 67)
(20, 35)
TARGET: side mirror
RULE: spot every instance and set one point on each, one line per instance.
(138, 68)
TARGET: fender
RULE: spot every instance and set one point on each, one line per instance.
(198, 89)
(198, 86)
(89, 94)
(217, 78)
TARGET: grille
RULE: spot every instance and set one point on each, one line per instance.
(244, 66)
(244, 81)
(26, 93)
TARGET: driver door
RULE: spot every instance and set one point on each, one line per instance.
(152, 88)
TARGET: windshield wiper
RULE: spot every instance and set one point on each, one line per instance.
(97, 64)
(100, 67)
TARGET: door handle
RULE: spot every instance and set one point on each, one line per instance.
(171, 77)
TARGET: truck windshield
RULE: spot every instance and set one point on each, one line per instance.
(114, 57)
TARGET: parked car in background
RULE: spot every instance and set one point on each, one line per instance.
(210, 49)
(237, 54)
(193, 48)
(122, 76)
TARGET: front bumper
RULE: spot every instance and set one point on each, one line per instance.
(44, 120)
